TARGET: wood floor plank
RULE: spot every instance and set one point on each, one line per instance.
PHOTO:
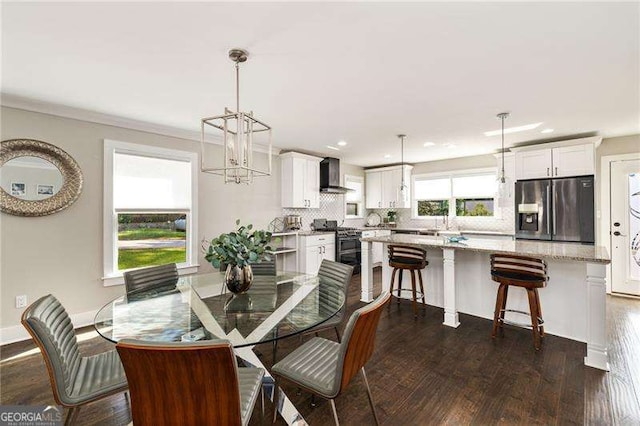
(424, 373)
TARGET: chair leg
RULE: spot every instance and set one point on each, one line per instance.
(424, 301)
(413, 293)
(539, 311)
(503, 309)
(127, 398)
(496, 313)
(276, 400)
(335, 412)
(373, 406)
(274, 344)
(262, 404)
(399, 286)
(337, 334)
(313, 401)
(73, 414)
(534, 318)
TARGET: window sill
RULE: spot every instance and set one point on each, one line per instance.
(119, 279)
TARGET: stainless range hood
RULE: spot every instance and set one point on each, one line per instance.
(330, 177)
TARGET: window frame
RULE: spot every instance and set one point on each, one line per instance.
(360, 203)
(452, 199)
(111, 274)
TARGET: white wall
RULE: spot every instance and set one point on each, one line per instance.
(62, 253)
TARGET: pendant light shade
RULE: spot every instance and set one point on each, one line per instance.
(404, 189)
(504, 185)
(239, 132)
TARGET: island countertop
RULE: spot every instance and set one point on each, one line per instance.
(544, 249)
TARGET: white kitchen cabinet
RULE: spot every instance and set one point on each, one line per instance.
(573, 160)
(377, 249)
(383, 187)
(533, 164)
(315, 248)
(562, 159)
(373, 190)
(300, 180)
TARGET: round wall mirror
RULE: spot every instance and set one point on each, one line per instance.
(37, 178)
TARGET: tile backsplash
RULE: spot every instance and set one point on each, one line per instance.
(332, 208)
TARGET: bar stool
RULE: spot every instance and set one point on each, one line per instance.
(412, 259)
(520, 271)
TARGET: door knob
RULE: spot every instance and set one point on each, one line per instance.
(618, 234)
(616, 224)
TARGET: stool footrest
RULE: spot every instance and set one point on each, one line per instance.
(519, 324)
(419, 294)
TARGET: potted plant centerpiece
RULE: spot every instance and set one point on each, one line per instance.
(238, 250)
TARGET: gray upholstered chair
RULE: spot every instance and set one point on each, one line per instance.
(76, 380)
(338, 275)
(265, 268)
(325, 367)
(189, 384)
(141, 281)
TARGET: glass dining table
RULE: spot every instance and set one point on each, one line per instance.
(201, 308)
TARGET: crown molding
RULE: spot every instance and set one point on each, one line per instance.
(59, 110)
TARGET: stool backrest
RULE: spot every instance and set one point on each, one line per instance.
(155, 277)
(407, 253)
(519, 264)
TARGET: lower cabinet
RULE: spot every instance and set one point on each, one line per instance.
(314, 249)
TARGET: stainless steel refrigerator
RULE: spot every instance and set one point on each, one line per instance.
(556, 209)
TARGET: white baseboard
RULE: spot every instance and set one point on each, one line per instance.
(17, 333)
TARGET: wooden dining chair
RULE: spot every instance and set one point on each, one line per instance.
(76, 380)
(189, 384)
(326, 368)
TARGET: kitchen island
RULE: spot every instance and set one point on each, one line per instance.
(458, 279)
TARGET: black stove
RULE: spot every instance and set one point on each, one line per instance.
(348, 248)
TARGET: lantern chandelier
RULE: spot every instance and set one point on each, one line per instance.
(239, 131)
(504, 184)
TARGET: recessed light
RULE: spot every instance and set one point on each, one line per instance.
(342, 143)
(429, 144)
(387, 156)
(547, 131)
(333, 148)
(513, 129)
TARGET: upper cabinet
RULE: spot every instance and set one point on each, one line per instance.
(383, 187)
(558, 159)
(300, 180)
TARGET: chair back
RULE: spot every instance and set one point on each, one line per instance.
(336, 275)
(178, 383)
(516, 265)
(49, 325)
(265, 268)
(152, 278)
(407, 255)
(359, 339)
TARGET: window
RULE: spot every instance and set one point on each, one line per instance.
(150, 208)
(467, 193)
(354, 206)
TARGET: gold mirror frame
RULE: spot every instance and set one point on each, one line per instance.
(71, 178)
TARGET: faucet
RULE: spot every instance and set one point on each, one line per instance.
(445, 221)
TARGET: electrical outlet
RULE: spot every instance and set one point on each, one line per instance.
(21, 301)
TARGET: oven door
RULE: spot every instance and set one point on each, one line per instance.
(352, 258)
(347, 244)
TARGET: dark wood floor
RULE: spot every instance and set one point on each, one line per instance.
(425, 373)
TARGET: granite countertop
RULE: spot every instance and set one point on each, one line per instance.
(454, 232)
(549, 250)
(309, 233)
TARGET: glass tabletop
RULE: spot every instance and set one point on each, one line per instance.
(201, 308)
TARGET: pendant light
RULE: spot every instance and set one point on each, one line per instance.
(504, 186)
(404, 189)
(239, 132)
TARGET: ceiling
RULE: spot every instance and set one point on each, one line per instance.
(324, 72)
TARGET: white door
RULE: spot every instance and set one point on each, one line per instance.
(373, 190)
(625, 227)
(390, 188)
(312, 184)
(533, 164)
(574, 160)
(312, 260)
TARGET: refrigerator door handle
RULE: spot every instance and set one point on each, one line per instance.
(555, 203)
(549, 210)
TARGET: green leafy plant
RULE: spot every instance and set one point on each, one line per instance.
(391, 215)
(240, 247)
